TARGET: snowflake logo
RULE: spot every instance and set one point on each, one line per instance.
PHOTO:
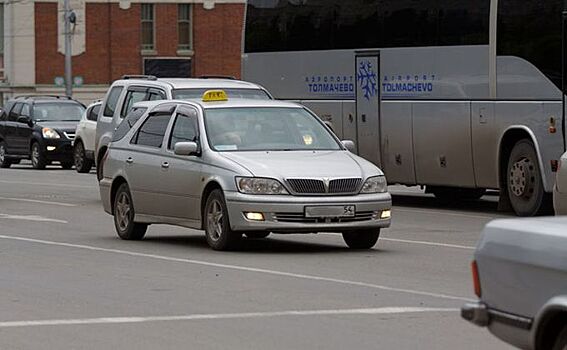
(367, 79)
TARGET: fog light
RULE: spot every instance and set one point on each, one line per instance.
(51, 148)
(386, 214)
(254, 216)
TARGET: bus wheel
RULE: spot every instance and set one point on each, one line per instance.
(523, 179)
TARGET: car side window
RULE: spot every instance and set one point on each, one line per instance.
(112, 101)
(185, 129)
(154, 95)
(152, 132)
(15, 112)
(92, 113)
(132, 96)
(25, 110)
(128, 123)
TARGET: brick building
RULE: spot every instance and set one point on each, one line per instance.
(184, 38)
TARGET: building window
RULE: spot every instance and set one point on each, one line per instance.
(184, 26)
(148, 27)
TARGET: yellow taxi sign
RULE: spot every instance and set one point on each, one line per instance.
(214, 95)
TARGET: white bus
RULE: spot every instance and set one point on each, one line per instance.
(459, 96)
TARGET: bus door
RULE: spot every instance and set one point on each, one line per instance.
(367, 72)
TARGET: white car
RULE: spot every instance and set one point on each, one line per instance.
(84, 144)
(560, 188)
(520, 278)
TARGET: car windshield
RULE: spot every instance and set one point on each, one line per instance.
(58, 112)
(191, 94)
(266, 129)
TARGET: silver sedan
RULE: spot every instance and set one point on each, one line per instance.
(239, 167)
(560, 188)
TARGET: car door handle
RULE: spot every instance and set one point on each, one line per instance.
(165, 165)
(130, 160)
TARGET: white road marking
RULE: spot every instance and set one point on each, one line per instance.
(242, 268)
(435, 244)
(31, 218)
(246, 315)
(38, 201)
(445, 213)
(46, 184)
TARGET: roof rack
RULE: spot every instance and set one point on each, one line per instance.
(43, 96)
(139, 76)
(229, 77)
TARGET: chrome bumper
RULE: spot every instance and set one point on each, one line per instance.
(286, 213)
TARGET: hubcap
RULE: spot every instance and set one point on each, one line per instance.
(522, 178)
(122, 211)
(35, 155)
(215, 220)
(79, 156)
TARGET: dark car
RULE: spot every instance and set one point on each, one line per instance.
(40, 128)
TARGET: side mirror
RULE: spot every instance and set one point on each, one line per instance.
(349, 144)
(24, 120)
(185, 148)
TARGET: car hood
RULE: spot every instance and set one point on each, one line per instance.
(59, 125)
(303, 164)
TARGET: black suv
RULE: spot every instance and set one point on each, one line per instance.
(40, 128)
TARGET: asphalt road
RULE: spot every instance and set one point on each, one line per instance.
(68, 282)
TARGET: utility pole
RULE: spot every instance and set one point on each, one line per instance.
(69, 17)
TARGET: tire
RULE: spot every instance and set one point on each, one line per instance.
(4, 161)
(561, 341)
(453, 194)
(257, 235)
(37, 156)
(362, 239)
(67, 165)
(124, 214)
(217, 224)
(99, 165)
(523, 180)
(82, 164)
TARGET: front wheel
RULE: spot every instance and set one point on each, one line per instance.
(523, 179)
(361, 239)
(82, 164)
(4, 161)
(124, 215)
(38, 158)
(561, 341)
(217, 225)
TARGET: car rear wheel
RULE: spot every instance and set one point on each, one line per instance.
(257, 235)
(124, 215)
(38, 159)
(525, 185)
(361, 239)
(561, 342)
(82, 164)
(4, 161)
(217, 225)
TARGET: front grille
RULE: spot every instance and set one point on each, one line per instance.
(300, 218)
(317, 186)
(69, 135)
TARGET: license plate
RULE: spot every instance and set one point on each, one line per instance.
(335, 211)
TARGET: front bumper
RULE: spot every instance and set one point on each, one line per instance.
(284, 214)
(57, 149)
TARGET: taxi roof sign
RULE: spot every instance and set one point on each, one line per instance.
(214, 96)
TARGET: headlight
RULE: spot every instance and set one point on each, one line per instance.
(375, 184)
(257, 185)
(49, 133)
